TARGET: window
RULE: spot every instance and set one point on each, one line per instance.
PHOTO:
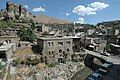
(60, 43)
(75, 46)
(52, 43)
(61, 55)
(6, 41)
(48, 43)
(68, 42)
(42, 59)
(9, 41)
(52, 52)
(60, 50)
(67, 50)
(49, 53)
(26, 45)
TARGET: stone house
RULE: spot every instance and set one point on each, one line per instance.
(6, 51)
(9, 39)
(8, 32)
(115, 49)
(90, 31)
(56, 49)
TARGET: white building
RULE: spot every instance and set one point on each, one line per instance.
(6, 51)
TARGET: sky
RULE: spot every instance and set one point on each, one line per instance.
(80, 11)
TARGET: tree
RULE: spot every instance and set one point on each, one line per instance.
(3, 24)
(26, 34)
(10, 23)
(32, 24)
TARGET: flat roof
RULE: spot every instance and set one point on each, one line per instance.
(8, 36)
(106, 65)
(55, 38)
(115, 45)
(91, 38)
(6, 47)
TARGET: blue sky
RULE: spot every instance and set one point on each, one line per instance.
(84, 11)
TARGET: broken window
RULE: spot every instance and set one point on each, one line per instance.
(52, 52)
(60, 43)
(49, 53)
(60, 50)
(68, 42)
(67, 50)
(52, 43)
(48, 43)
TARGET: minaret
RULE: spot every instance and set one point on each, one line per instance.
(7, 6)
(20, 9)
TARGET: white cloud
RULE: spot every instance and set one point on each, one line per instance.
(82, 10)
(42, 9)
(80, 20)
(98, 5)
(90, 9)
(67, 14)
(26, 6)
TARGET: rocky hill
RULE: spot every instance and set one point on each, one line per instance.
(49, 20)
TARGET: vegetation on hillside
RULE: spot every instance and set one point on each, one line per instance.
(6, 24)
(85, 25)
(26, 34)
(32, 24)
(114, 24)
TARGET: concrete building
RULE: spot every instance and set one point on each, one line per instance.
(56, 49)
(8, 32)
(6, 51)
(117, 31)
(24, 44)
(76, 44)
(42, 28)
(90, 31)
(92, 43)
(9, 39)
(115, 49)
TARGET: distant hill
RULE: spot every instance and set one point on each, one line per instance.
(115, 23)
(49, 20)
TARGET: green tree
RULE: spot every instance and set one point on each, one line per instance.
(32, 24)
(3, 24)
(10, 24)
(6, 24)
(26, 34)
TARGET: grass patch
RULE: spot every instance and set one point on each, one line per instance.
(24, 51)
